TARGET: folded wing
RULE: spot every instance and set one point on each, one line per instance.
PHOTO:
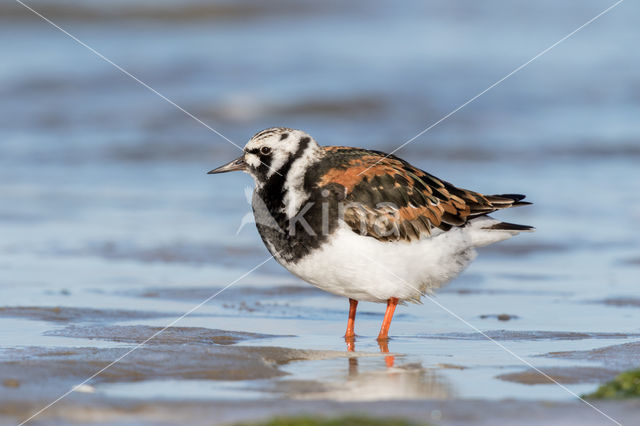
(388, 199)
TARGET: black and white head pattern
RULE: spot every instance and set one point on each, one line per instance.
(280, 157)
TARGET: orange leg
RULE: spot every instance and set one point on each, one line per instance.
(351, 323)
(388, 316)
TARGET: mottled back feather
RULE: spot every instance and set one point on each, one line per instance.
(389, 199)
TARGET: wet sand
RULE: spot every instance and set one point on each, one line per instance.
(202, 375)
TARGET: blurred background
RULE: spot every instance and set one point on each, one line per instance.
(103, 191)
(91, 159)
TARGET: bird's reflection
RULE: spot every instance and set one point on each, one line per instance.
(353, 361)
(384, 348)
(407, 381)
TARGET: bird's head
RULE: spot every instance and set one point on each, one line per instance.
(272, 152)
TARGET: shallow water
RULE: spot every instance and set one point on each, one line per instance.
(106, 212)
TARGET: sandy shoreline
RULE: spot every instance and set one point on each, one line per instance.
(200, 375)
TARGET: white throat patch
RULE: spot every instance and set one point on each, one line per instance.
(295, 194)
(284, 144)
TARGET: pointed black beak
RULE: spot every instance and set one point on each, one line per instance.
(237, 164)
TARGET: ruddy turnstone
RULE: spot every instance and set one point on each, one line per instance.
(363, 224)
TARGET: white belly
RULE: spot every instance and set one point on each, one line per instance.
(367, 269)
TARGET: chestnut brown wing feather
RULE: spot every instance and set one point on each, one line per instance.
(389, 199)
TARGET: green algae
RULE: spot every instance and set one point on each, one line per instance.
(624, 385)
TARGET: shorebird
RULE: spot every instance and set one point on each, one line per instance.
(364, 224)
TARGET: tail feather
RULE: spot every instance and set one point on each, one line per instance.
(506, 226)
(503, 201)
(496, 202)
(486, 230)
(514, 197)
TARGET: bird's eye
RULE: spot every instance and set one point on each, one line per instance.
(265, 150)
